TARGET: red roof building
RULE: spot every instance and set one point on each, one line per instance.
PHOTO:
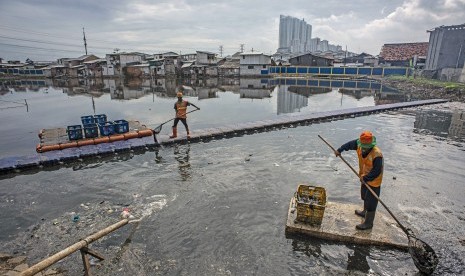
(400, 53)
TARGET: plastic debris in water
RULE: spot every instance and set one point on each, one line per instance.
(125, 214)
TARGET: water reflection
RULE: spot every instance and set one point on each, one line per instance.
(440, 123)
(135, 88)
(306, 246)
(150, 101)
(357, 259)
(357, 256)
(181, 154)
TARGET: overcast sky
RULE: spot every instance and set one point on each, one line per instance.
(46, 29)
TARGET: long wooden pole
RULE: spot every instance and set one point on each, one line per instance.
(73, 248)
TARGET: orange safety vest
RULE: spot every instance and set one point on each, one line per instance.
(181, 109)
(366, 164)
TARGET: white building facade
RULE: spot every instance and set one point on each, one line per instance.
(254, 64)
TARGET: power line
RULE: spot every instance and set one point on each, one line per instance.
(40, 48)
(48, 34)
(40, 41)
(52, 43)
(30, 54)
(105, 41)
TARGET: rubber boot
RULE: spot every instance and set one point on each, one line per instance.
(175, 133)
(361, 213)
(368, 223)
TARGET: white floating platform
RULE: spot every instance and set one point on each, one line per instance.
(339, 222)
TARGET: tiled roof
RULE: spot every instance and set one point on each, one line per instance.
(403, 51)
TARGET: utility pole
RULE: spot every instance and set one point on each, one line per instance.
(242, 48)
(221, 50)
(85, 43)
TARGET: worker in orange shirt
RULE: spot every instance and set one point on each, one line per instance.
(370, 160)
(181, 109)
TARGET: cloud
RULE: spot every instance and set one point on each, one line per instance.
(407, 23)
(187, 25)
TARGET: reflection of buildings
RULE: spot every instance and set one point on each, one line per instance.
(442, 124)
(229, 84)
(254, 88)
(308, 91)
(206, 92)
(24, 85)
(388, 97)
(356, 93)
(86, 87)
(123, 92)
(289, 102)
(457, 125)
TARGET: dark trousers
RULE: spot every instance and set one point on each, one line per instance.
(369, 201)
(183, 121)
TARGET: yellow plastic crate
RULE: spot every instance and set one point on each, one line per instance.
(310, 204)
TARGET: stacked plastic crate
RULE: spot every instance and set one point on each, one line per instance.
(93, 126)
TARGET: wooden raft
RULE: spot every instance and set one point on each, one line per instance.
(55, 136)
(339, 222)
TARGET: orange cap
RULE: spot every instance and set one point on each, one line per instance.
(366, 137)
(366, 140)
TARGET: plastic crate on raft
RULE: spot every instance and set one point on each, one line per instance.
(106, 129)
(74, 132)
(100, 119)
(121, 126)
(310, 204)
(91, 130)
(87, 120)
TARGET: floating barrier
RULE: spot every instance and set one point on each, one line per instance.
(65, 151)
(95, 141)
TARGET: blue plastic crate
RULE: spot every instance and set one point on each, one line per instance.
(74, 132)
(90, 130)
(121, 126)
(100, 119)
(107, 128)
(87, 120)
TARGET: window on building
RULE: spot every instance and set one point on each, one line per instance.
(243, 57)
(250, 67)
(264, 66)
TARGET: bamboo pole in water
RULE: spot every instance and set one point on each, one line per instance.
(73, 248)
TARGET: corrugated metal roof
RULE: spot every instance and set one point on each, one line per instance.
(95, 61)
(205, 52)
(187, 64)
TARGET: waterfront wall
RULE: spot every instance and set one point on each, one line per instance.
(302, 71)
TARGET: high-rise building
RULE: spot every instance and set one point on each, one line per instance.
(294, 35)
